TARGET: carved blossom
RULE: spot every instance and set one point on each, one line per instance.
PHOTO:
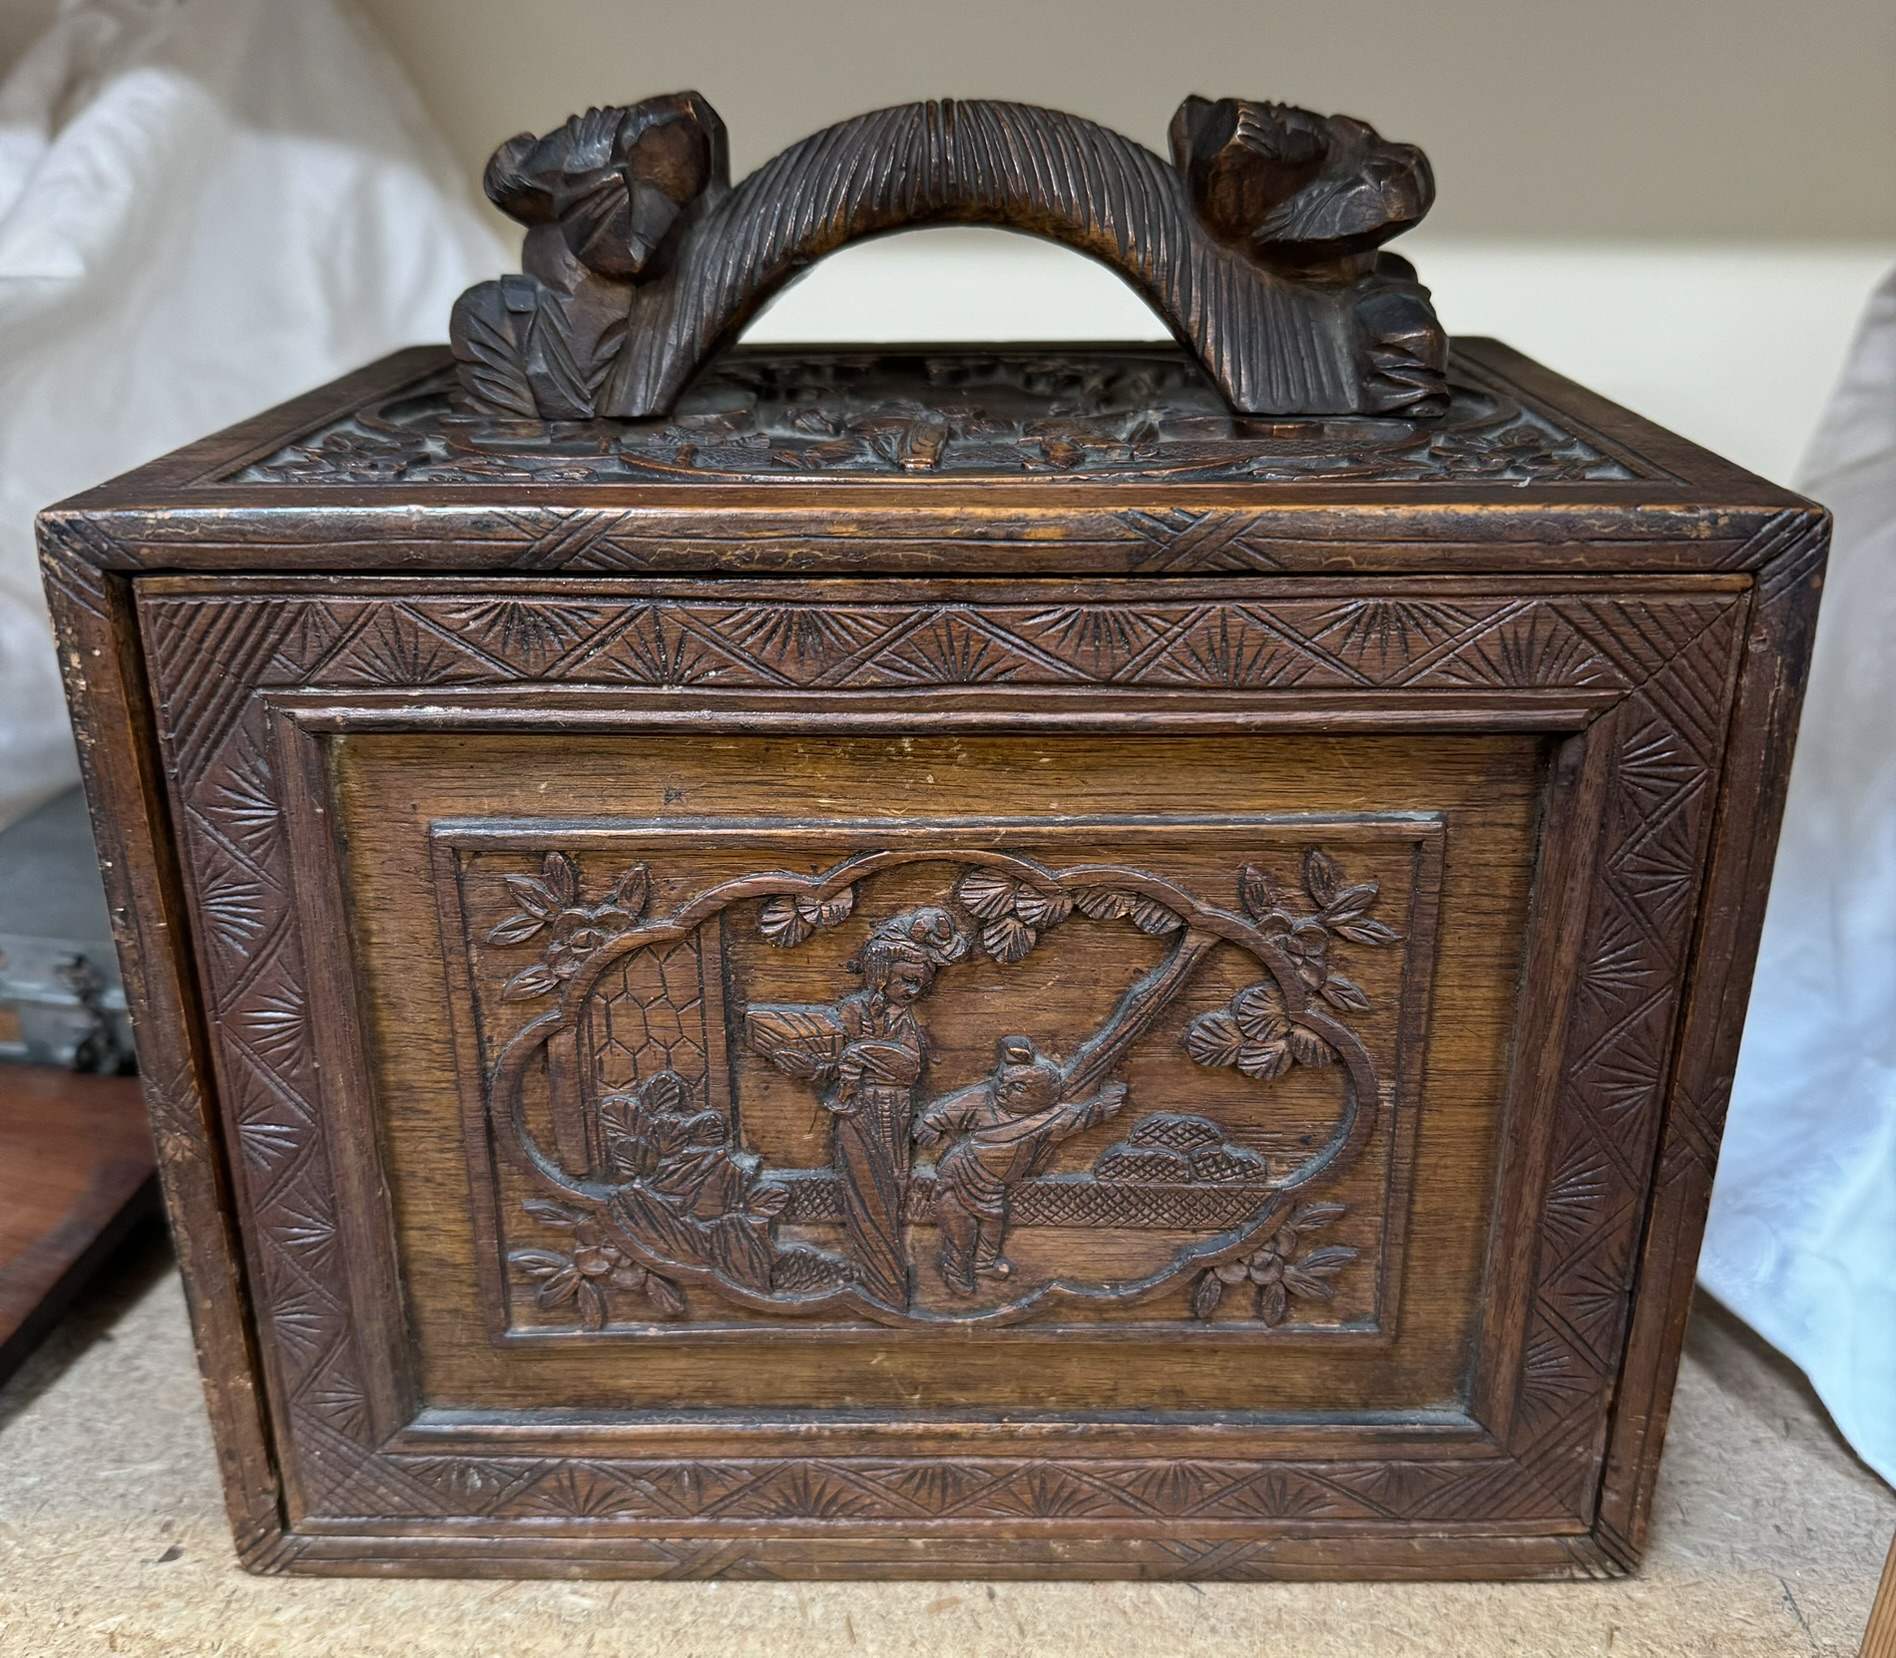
(1258, 1031)
(575, 930)
(595, 1266)
(1281, 1269)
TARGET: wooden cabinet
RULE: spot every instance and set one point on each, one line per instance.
(954, 963)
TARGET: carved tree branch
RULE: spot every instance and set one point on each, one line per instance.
(1095, 1059)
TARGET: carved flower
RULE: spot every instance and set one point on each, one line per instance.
(1308, 943)
(1260, 1031)
(595, 1266)
(1283, 1268)
(1341, 911)
(575, 930)
(576, 935)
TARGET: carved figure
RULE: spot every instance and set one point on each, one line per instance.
(1315, 195)
(1293, 187)
(680, 1196)
(870, 1051)
(1257, 245)
(605, 199)
(1009, 1125)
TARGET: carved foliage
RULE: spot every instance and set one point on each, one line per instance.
(1015, 916)
(683, 1199)
(1136, 412)
(1283, 1269)
(1258, 1032)
(593, 1269)
(551, 905)
(789, 918)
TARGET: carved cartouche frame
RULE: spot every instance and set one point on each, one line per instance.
(1257, 245)
(1196, 927)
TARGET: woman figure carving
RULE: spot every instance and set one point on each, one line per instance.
(871, 1052)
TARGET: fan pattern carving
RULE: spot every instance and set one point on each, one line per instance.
(1663, 660)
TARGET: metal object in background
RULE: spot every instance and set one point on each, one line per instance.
(61, 1002)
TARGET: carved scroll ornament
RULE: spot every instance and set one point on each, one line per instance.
(1257, 246)
(670, 1204)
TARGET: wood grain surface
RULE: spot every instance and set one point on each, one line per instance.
(1879, 1637)
(405, 784)
(75, 1171)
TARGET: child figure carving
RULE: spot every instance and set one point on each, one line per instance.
(1009, 1127)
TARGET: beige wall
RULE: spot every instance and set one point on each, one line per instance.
(20, 21)
(1598, 118)
(1617, 118)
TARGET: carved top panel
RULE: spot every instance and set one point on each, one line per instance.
(1131, 413)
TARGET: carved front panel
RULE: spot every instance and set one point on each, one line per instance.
(968, 1071)
(568, 1140)
(1126, 1070)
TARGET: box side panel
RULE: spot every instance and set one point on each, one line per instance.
(96, 625)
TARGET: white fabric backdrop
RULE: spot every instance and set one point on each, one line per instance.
(1802, 1238)
(206, 206)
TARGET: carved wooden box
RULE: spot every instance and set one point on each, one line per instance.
(945, 962)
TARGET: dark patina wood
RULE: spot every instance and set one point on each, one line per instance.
(940, 962)
(1257, 245)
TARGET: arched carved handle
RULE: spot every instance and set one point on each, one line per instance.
(1257, 245)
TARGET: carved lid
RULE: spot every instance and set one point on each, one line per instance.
(1019, 460)
(593, 413)
(1106, 414)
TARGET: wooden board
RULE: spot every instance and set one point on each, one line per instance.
(76, 1171)
(1879, 1636)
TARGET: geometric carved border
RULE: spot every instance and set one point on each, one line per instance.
(1657, 668)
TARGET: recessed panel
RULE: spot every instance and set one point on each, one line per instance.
(1105, 1073)
(898, 1071)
